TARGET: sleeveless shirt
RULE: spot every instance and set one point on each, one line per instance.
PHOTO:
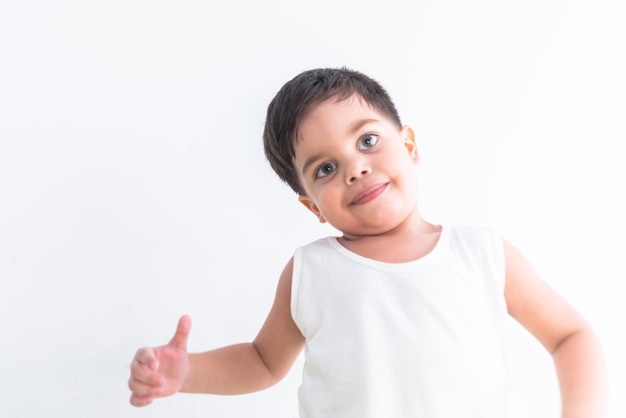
(421, 339)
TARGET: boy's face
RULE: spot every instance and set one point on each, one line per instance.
(356, 167)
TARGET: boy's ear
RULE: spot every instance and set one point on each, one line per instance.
(310, 205)
(408, 136)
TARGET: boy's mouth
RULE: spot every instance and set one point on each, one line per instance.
(370, 194)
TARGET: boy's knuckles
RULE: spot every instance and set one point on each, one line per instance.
(142, 389)
(145, 356)
(146, 377)
(136, 387)
(137, 370)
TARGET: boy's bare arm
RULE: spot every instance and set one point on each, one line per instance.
(563, 332)
(249, 367)
(240, 368)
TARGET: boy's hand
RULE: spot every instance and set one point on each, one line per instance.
(160, 371)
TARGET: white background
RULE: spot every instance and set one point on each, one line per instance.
(134, 189)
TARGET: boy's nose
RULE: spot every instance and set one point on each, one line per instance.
(356, 172)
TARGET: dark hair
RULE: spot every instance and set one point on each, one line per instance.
(298, 96)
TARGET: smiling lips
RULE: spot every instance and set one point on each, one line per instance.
(370, 194)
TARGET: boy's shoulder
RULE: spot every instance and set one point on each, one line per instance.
(473, 236)
(478, 244)
(470, 231)
(324, 242)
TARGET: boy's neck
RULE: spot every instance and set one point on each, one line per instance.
(400, 245)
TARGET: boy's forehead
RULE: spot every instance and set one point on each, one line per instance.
(333, 119)
(337, 112)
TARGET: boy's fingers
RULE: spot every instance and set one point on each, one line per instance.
(137, 400)
(147, 357)
(145, 387)
(142, 373)
(179, 340)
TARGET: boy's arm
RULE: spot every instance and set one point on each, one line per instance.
(241, 368)
(249, 367)
(563, 332)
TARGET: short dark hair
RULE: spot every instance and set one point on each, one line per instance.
(298, 96)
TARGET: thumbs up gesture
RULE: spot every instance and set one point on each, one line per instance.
(160, 371)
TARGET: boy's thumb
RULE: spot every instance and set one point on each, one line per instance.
(179, 340)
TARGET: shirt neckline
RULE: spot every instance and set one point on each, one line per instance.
(427, 258)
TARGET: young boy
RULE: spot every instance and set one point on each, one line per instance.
(398, 317)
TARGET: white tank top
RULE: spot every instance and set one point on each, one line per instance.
(417, 339)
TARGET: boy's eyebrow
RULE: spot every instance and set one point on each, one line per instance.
(310, 161)
(353, 129)
(360, 123)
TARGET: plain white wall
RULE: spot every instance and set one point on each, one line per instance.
(133, 186)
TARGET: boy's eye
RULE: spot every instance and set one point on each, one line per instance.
(368, 141)
(325, 169)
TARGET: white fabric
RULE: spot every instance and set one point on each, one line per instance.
(417, 339)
